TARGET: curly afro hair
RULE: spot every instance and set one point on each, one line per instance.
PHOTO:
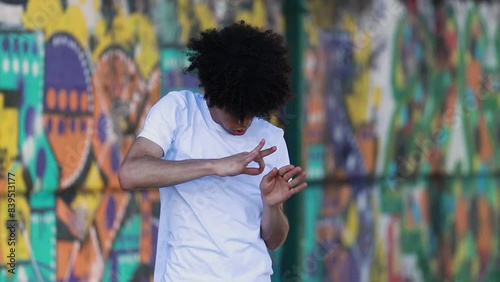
(243, 70)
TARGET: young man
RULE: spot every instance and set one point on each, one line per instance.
(222, 193)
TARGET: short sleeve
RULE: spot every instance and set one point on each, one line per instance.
(282, 150)
(164, 120)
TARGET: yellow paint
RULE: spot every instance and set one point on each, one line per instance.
(93, 181)
(147, 54)
(280, 23)
(351, 227)
(312, 32)
(378, 267)
(357, 101)
(274, 120)
(476, 162)
(244, 16)
(399, 76)
(460, 255)
(135, 30)
(450, 26)
(259, 13)
(40, 14)
(457, 189)
(120, 33)
(50, 17)
(9, 132)
(204, 15)
(72, 22)
(322, 12)
(349, 24)
(377, 96)
(88, 202)
(184, 20)
(257, 16)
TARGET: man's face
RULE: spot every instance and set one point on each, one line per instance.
(230, 123)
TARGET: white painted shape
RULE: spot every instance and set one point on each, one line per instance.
(26, 67)
(11, 14)
(457, 146)
(36, 69)
(5, 65)
(15, 66)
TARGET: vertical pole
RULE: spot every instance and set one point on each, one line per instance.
(294, 34)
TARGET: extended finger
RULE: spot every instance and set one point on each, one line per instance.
(270, 175)
(297, 180)
(267, 152)
(289, 174)
(255, 152)
(286, 169)
(259, 147)
(298, 188)
(260, 158)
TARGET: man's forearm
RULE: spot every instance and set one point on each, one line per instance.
(274, 226)
(150, 172)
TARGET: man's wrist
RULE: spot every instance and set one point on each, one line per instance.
(213, 167)
(271, 208)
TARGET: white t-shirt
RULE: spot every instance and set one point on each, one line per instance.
(210, 227)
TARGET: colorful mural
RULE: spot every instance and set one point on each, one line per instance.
(77, 79)
(400, 135)
(401, 102)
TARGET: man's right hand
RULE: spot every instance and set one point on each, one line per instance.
(238, 164)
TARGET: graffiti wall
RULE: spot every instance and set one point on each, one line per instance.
(400, 142)
(400, 135)
(77, 79)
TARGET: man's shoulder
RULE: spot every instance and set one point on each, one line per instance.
(179, 99)
(268, 130)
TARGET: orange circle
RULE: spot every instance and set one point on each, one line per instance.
(84, 101)
(51, 98)
(73, 100)
(62, 99)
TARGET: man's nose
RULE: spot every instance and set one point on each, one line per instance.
(245, 122)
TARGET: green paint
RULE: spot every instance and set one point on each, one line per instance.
(27, 69)
(126, 248)
(313, 266)
(43, 229)
(294, 33)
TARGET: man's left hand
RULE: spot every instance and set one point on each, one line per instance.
(280, 184)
